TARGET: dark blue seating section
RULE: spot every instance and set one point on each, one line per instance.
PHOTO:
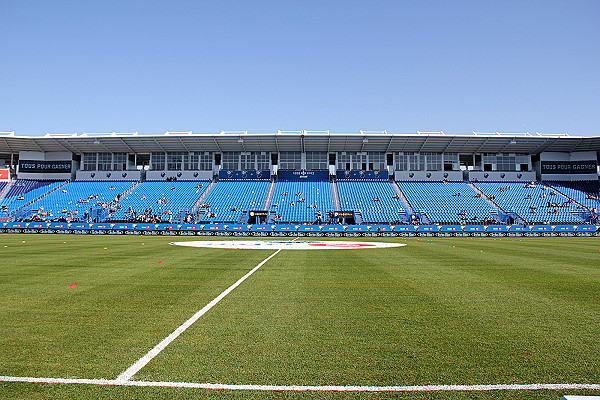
(25, 191)
(586, 193)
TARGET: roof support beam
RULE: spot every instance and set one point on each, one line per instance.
(217, 144)
(482, 146)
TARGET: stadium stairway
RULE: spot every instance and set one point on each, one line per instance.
(269, 197)
(403, 198)
(498, 211)
(202, 197)
(335, 196)
(128, 191)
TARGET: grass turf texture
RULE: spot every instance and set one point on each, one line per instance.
(438, 311)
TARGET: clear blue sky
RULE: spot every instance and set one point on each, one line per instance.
(206, 66)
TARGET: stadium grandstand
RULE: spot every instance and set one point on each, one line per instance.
(301, 180)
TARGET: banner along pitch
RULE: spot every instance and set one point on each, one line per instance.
(287, 245)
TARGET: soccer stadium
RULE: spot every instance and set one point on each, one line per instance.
(299, 264)
(308, 183)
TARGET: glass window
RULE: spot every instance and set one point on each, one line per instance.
(231, 160)
(506, 162)
(119, 161)
(104, 162)
(316, 160)
(205, 161)
(433, 161)
(248, 161)
(450, 158)
(157, 161)
(402, 161)
(343, 160)
(377, 159)
(190, 161)
(415, 162)
(89, 161)
(263, 161)
(290, 160)
(175, 161)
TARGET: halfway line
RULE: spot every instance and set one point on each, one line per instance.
(139, 364)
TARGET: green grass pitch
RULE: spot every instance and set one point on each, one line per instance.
(437, 311)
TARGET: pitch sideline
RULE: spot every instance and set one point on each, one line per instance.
(307, 388)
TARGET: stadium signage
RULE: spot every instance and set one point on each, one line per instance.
(259, 213)
(343, 213)
(303, 174)
(569, 167)
(44, 166)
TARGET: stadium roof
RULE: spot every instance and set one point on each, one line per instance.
(364, 141)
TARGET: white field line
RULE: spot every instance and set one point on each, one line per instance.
(300, 388)
(139, 364)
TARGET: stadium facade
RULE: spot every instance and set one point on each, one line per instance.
(297, 178)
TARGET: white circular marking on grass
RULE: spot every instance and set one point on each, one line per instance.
(287, 245)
